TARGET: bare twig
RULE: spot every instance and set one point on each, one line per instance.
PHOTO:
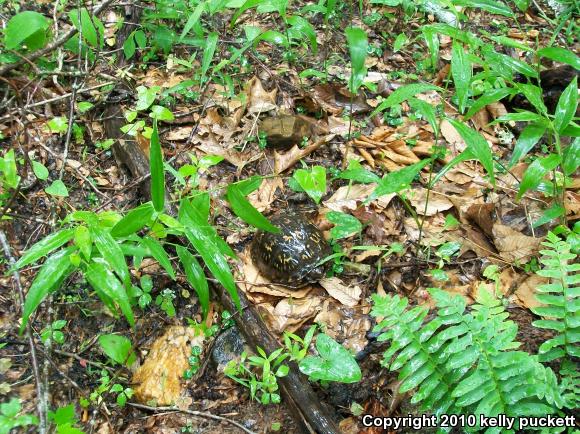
(41, 404)
(203, 414)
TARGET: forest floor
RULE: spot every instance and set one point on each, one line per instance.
(466, 231)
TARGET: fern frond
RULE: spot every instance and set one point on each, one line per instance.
(464, 362)
(561, 299)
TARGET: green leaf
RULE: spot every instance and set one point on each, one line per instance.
(58, 124)
(427, 111)
(9, 170)
(161, 113)
(247, 5)
(359, 174)
(313, 182)
(57, 188)
(158, 252)
(478, 146)
(560, 55)
(357, 45)
(535, 173)
(334, 363)
(534, 95)
(28, 29)
(345, 225)
(530, 135)
(395, 182)
(55, 269)
(111, 253)
(487, 98)
(195, 277)
(402, 94)
(44, 247)
(146, 97)
(118, 348)
(491, 6)
(193, 19)
(208, 52)
(246, 211)
(552, 213)
(571, 158)
(40, 171)
(461, 72)
(86, 26)
(567, 105)
(304, 28)
(106, 284)
(134, 221)
(156, 168)
(210, 247)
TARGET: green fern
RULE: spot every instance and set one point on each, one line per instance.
(464, 362)
(561, 298)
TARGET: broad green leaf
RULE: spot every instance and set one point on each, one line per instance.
(208, 52)
(118, 348)
(28, 29)
(535, 173)
(55, 269)
(196, 212)
(398, 181)
(134, 221)
(193, 19)
(345, 225)
(560, 55)
(523, 116)
(304, 28)
(567, 105)
(129, 46)
(461, 72)
(334, 363)
(400, 41)
(487, 98)
(111, 253)
(44, 247)
(105, 282)
(83, 241)
(195, 277)
(246, 211)
(247, 5)
(478, 146)
(9, 170)
(57, 188)
(361, 175)
(161, 113)
(160, 255)
(312, 181)
(403, 94)
(85, 26)
(146, 97)
(40, 171)
(522, 5)
(427, 111)
(157, 173)
(527, 140)
(507, 65)
(214, 260)
(491, 6)
(273, 37)
(357, 45)
(534, 95)
(571, 158)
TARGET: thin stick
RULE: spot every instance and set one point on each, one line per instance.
(192, 413)
(41, 405)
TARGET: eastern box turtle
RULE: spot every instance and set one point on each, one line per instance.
(291, 256)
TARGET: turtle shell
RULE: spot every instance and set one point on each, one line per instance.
(291, 256)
